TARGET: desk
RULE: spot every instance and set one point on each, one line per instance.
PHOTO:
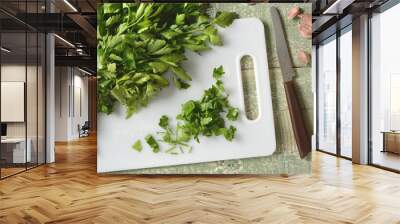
(391, 141)
(13, 150)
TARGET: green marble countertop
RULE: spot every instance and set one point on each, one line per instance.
(286, 159)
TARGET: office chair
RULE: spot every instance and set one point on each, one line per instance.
(84, 130)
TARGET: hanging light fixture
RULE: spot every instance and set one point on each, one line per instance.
(70, 5)
(84, 71)
(64, 40)
(5, 50)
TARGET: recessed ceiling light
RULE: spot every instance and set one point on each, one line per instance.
(70, 5)
(64, 40)
(5, 50)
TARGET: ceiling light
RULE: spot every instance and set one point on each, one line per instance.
(64, 40)
(80, 51)
(5, 50)
(84, 71)
(70, 5)
(338, 6)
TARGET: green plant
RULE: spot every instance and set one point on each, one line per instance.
(139, 42)
(204, 117)
(137, 146)
(151, 141)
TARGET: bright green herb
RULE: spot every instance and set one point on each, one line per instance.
(224, 19)
(139, 42)
(152, 143)
(175, 138)
(218, 72)
(232, 114)
(204, 117)
(137, 146)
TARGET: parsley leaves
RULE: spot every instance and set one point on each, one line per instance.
(151, 141)
(137, 146)
(139, 42)
(204, 117)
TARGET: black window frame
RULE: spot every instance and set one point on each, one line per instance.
(381, 9)
(341, 25)
(339, 32)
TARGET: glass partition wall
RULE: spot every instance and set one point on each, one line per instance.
(385, 90)
(22, 76)
(346, 95)
(334, 126)
(13, 111)
(334, 94)
(327, 96)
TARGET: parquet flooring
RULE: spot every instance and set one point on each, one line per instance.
(10, 171)
(70, 191)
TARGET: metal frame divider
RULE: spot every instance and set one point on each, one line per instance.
(0, 92)
(338, 73)
(44, 71)
(26, 87)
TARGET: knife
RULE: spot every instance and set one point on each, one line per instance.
(301, 135)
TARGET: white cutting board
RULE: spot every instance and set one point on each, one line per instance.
(253, 138)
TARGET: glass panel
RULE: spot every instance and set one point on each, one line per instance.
(13, 90)
(394, 102)
(32, 98)
(32, 88)
(23, 89)
(41, 99)
(346, 94)
(385, 128)
(327, 96)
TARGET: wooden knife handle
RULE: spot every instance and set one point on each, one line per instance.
(301, 135)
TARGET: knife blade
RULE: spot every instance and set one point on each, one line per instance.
(281, 47)
(303, 139)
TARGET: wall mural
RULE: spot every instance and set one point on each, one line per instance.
(196, 88)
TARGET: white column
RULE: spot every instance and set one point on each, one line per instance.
(50, 110)
(50, 92)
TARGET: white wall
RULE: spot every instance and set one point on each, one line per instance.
(61, 103)
(34, 125)
(80, 85)
(17, 73)
(70, 83)
(13, 101)
(11, 73)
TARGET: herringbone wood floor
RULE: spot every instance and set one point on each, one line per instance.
(70, 191)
